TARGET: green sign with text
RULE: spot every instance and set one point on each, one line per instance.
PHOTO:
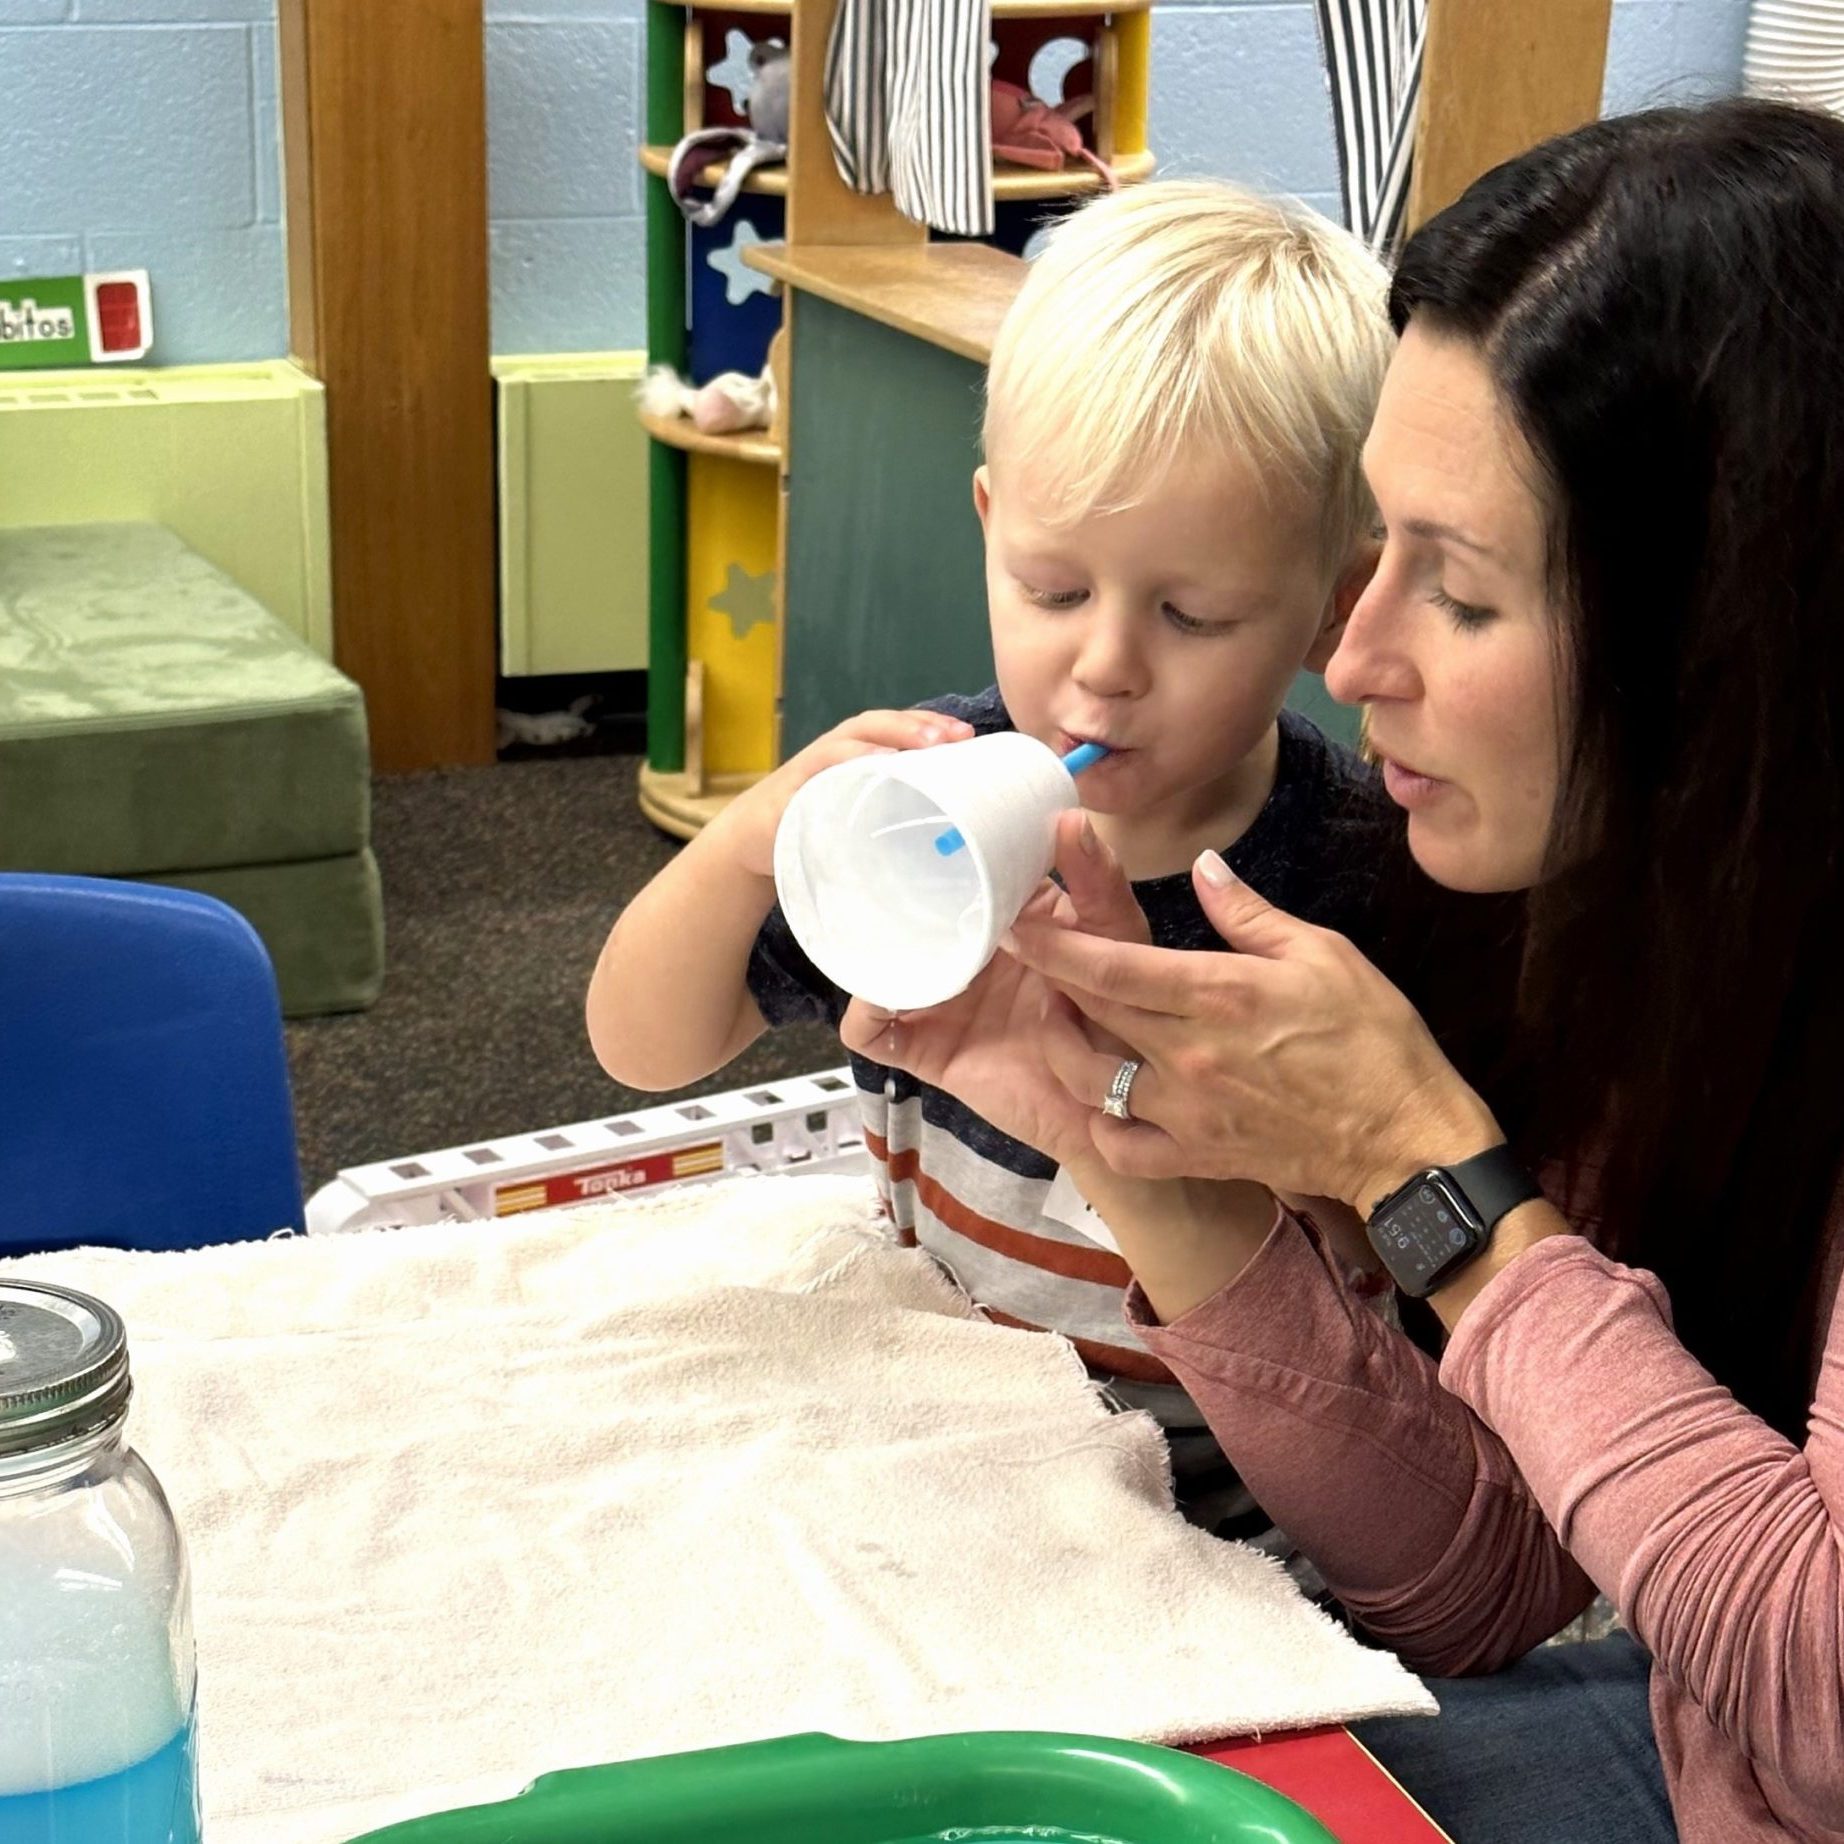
(62, 320)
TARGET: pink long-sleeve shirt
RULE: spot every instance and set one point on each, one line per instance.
(1567, 1439)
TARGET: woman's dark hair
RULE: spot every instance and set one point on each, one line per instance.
(1660, 299)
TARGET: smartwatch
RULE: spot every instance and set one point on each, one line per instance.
(1436, 1223)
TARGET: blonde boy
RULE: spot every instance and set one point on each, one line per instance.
(1175, 525)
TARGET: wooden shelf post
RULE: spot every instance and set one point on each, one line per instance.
(822, 208)
(384, 133)
(1498, 79)
(666, 341)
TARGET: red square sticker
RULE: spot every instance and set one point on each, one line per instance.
(118, 317)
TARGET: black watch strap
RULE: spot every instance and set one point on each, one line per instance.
(1494, 1183)
(1433, 1225)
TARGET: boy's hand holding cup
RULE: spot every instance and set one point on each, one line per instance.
(898, 873)
(748, 825)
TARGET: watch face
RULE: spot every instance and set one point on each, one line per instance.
(1426, 1228)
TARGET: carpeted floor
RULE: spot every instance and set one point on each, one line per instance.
(499, 886)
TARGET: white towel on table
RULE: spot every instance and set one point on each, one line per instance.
(470, 1502)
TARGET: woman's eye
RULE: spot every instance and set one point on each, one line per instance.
(1052, 598)
(1465, 614)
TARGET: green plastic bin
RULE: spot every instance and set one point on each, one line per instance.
(815, 1789)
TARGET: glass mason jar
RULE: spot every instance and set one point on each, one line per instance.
(97, 1668)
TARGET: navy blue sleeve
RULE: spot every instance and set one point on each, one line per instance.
(785, 984)
(1320, 845)
(985, 711)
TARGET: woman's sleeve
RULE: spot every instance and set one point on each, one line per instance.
(1720, 1541)
(1409, 1505)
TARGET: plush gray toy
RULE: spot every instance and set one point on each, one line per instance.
(767, 108)
(762, 143)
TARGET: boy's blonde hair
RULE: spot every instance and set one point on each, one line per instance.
(1190, 317)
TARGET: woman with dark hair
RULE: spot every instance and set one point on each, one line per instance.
(1602, 664)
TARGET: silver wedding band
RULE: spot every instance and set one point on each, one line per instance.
(1114, 1102)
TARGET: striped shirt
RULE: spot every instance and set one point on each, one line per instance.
(1373, 52)
(974, 1197)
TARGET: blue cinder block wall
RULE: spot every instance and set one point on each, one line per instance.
(144, 133)
(1238, 86)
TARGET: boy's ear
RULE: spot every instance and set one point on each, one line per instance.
(1353, 580)
(982, 493)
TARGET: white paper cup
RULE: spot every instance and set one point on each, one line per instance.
(879, 906)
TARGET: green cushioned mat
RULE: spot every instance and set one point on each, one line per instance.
(322, 922)
(155, 717)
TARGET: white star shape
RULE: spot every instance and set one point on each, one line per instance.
(732, 72)
(740, 281)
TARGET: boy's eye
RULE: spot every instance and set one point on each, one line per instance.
(1052, 598)
(1190, 624)
(1465, 614)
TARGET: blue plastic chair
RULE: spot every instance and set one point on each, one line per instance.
(143, 1080)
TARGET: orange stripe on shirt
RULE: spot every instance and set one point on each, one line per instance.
(1103, 1360)
(1070, 1260)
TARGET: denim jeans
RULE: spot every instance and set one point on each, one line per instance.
(1556, 1749)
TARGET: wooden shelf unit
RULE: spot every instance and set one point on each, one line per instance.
(1009, 182)
(1001, 9)
(669, 802)
(755, 445)
(772, 180)
(952, 295)
(847, 250)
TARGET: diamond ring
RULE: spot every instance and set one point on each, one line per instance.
(1114, 1102)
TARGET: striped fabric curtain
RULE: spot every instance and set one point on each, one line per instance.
(1373, 49)
(906, 101)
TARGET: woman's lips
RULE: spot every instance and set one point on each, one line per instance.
(1407, 787)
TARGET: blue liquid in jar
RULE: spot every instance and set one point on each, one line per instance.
(153, 1802)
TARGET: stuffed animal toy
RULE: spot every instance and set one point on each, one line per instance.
(762, 143)
(731, 401)
(1028, 132)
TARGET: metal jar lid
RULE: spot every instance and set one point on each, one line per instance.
(63, 1366)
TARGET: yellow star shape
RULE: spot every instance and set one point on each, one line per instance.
(748, 600)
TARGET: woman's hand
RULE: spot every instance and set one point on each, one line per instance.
(986, 1047)
(1293, 1062)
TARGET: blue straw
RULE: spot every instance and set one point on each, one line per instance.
(1084, 755)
